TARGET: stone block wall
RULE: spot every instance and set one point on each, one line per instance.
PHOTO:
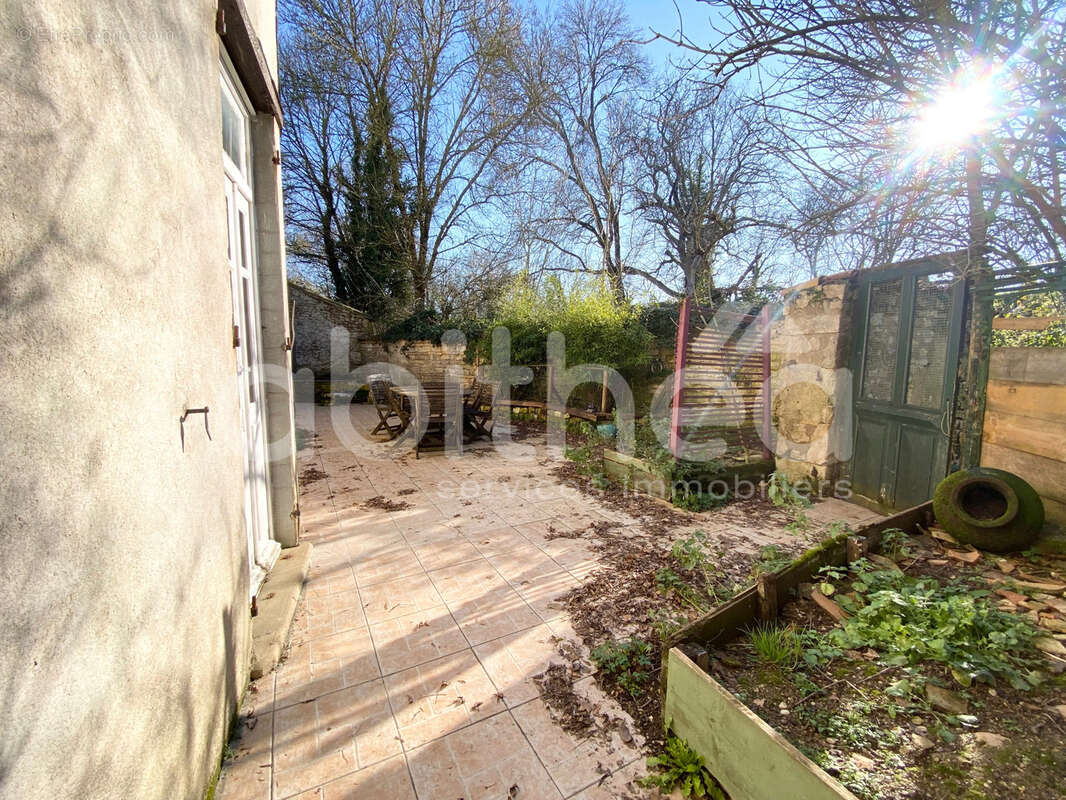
(811, 390)
(315, 317)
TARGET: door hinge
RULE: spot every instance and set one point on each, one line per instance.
(220, 22)
(236, 336)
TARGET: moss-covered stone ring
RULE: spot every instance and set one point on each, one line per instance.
(989, 508)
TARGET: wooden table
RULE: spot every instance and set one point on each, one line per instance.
(431, 417)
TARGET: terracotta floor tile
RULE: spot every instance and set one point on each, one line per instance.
(482, 761)
(384, 564)
(513, 660)
(247, 774)
(498, 540)
(573, 763)
(524, 564)
(492, 614)
(315, 772)
(408, 641)
(622, 783)
(398, 598)
(438, 697)
(547, 595)
(325, 664)
(387, 780)
(441, 553)
(462, 582)
(459, 600)
(323, 739)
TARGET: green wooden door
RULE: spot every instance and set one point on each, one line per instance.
(905, 355)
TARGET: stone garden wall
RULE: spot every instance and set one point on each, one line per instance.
(811, 392)
(315, 316)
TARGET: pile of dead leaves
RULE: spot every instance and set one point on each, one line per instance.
(379, 501)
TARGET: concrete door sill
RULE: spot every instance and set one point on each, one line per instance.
(277, 605)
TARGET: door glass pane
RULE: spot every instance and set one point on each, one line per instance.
(232, 131)
(929, 341)
(882, 334)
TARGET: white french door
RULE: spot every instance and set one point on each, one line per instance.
(236, 139)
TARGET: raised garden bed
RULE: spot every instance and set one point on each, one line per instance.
(783, 675)
(640, 476)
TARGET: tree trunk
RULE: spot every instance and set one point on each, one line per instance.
(980, 273)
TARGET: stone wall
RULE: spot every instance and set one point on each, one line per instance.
(811, 394)
(426, 360)
(315, 316)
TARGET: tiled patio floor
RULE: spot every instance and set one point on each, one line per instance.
(410, 668)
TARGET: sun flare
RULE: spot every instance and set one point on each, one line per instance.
(962, 110)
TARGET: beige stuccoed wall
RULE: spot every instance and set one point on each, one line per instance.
(123, 638)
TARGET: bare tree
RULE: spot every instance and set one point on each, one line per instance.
(448, 69)
(586, 68)
(316, 141)
(848, 80)
(706, 178)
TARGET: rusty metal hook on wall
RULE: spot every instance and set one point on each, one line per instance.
(185, 416)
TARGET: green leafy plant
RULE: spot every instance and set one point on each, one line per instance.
(698, 501)
(682, 767)
(670, 583)
(910, 620)
(626, 662)
(1045, 304)
(665, 622)
(771, 559)
(690, 553)
(800, 523)
(784, 494)
(773, 644)
(895, 544)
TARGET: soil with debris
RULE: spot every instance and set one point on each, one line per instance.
(848, 716)
(627, 598)
(572, 712)
(379, 501)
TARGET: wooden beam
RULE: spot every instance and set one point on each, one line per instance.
(680, 352)
(750, 759)
(235, 28)
(1025, 323)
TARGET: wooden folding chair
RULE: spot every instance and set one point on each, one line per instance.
(387, 407)
(477, 412)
